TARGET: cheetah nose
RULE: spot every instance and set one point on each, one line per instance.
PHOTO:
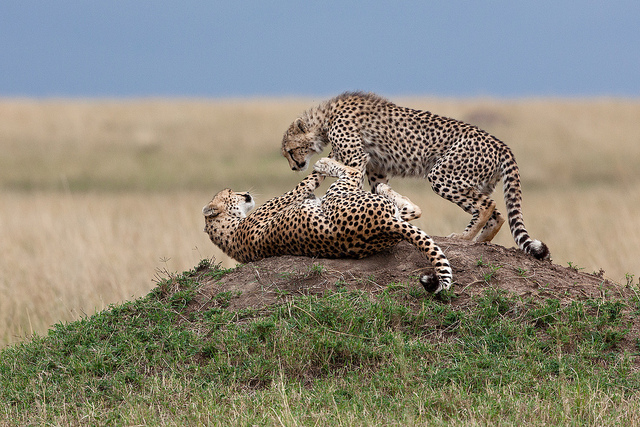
(300, 166)
(247, 198)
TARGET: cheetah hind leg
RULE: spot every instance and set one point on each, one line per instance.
(481, 208)
(491, 228)
(407, 210)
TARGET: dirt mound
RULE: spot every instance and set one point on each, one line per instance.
(476, 268)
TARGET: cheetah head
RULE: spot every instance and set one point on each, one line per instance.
(299, 143)
(227, 206)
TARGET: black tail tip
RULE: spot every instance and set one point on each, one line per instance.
(539, 250)
(430, 282)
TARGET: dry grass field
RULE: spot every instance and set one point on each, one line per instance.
(99, 197)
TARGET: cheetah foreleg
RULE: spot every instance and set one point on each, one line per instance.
(303, 190)
(375, 178)
(407, 210)
(310, 183)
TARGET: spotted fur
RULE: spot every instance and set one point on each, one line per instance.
(461, 162)
(346, 222)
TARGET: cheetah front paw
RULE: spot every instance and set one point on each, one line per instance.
(331, 167)
(325, 166)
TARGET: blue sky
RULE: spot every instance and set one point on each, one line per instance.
(242, 48)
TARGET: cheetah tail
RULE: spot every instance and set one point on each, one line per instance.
(421, 240)
(513, 200)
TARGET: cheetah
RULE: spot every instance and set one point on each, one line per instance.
(461, 162)
(347, 222)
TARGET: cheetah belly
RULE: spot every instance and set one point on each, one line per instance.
(398, 162)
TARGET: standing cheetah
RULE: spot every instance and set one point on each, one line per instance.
(346, 222)
(462, 162)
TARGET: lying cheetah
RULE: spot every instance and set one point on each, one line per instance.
(462, 162)
(346, 222)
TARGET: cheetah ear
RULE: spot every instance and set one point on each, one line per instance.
(300, 125)
(210, 211)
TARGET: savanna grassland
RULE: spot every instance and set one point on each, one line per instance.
(98, 196)
(101, 210)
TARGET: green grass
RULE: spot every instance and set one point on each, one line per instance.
(400, 357)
